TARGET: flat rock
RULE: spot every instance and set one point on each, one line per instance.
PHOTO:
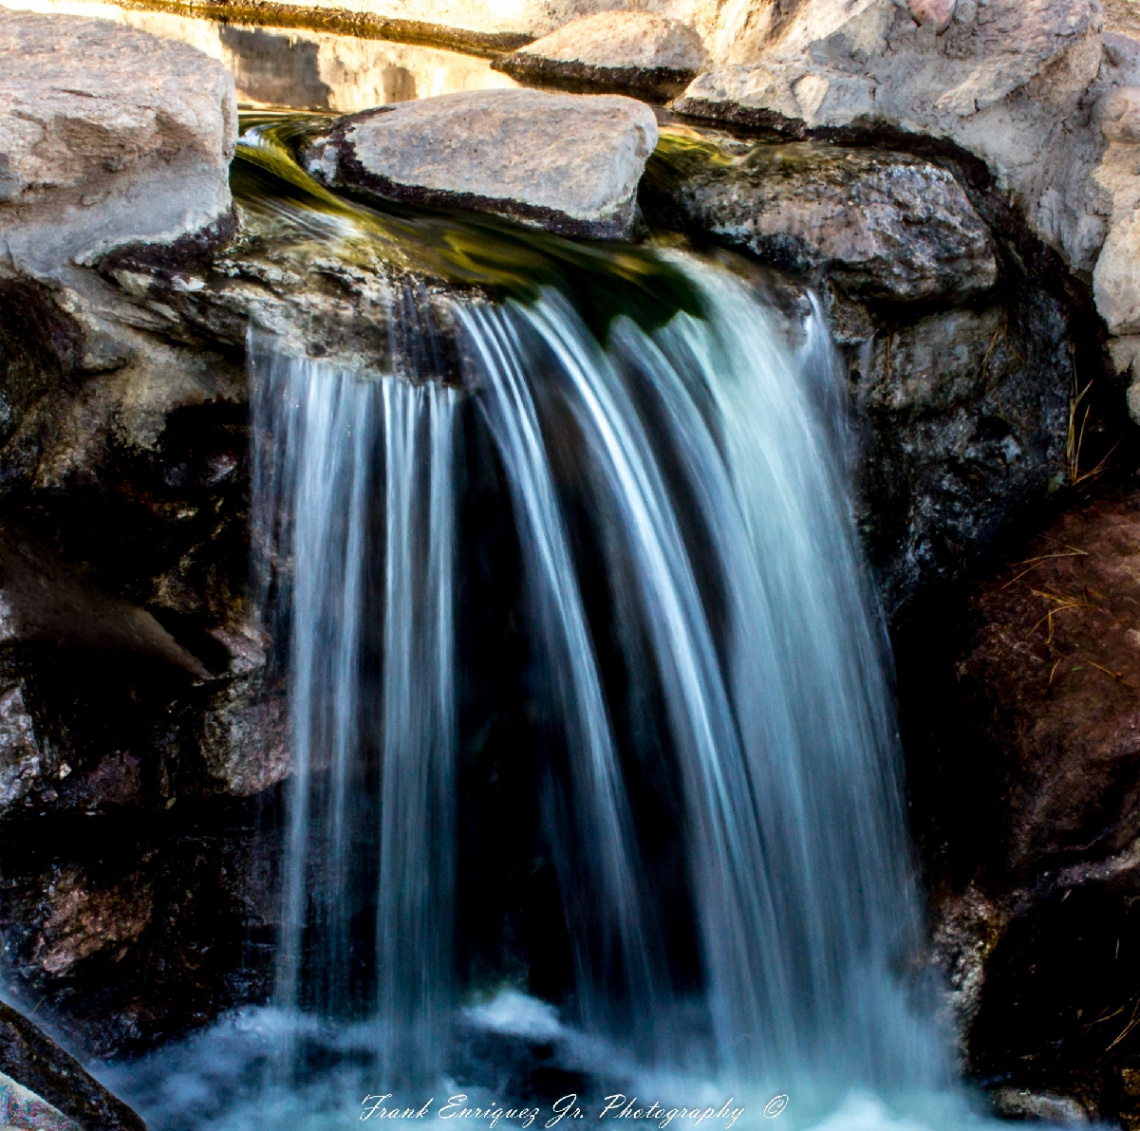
(886, 227)
(107, 136)
(568, 163)
(638, 51)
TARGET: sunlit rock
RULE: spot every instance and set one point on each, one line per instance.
(568, 163)
(1007, 80)
(107, 136)
(637, 51)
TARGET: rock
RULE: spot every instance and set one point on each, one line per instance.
(959, 370)
(635, 51)
(1015, 1103)
(38, 1065)
(1116, 279)
(1053, 672)
(43, 602)
(22, 1110)
(107, 136)
(88, 921)
(962, 421)
(936, 13)
(567, 163)
(129, 932)
(884, 226)
(940, 363)
(1009, 81)
(1122, 16)
(1031, 812)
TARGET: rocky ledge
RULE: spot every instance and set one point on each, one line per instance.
(56, 1093)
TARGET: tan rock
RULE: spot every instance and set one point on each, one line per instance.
(631, 50)
(107, 136)
(566, 162)
(938, 13)
(1120, 119)
(1008, 80)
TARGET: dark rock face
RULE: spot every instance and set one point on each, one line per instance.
(35, 1061)
(138, 930)
(959, 361)
(136, 700)
(1054, 671)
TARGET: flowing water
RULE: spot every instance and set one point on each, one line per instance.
(597, 788)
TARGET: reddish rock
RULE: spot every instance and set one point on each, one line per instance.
(1031, 813)
(1054, 671)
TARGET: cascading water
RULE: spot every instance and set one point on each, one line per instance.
(354, 488)
(588, 700)
(719, 779)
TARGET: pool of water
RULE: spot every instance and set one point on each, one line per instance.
(292, 68)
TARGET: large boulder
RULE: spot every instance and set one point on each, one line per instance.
(108, 136)
(1005, 79)
(1039, 90)
(635, 51)
(567, 163)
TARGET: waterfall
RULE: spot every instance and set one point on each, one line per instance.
(703, 677)
(354, 512)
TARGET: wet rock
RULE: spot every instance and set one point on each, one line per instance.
(109, 136)
(629, 50)
(567, 163)
(1015, 1103)
(940, 363)
(43, 602)
(962, 421)
(960, 368)
(129, 932)
(884, 226)
(46, 1077)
